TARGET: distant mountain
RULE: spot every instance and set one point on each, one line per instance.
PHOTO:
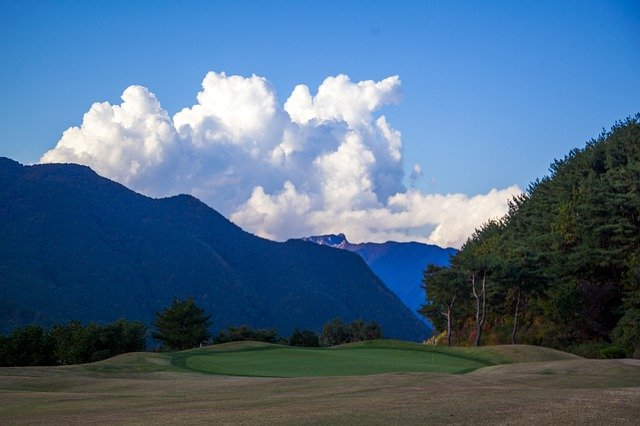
(74, 245)
(399, 265)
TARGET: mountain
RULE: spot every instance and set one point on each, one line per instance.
(74, 245)
(399, 265)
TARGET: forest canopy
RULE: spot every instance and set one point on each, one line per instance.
(562, 268)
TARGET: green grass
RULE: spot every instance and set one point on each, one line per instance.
(522, 384)
(375, 357)
(300, 362)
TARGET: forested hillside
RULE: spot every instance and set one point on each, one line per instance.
(74, 245)
(399, 265)
(562, 268)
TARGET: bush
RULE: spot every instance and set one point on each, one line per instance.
(71, 343)
(29, 345)
(336, 332)
(306, 338)
(244, 332)
(360, 331)
(626, 335)
(611, 351)
(597, 350)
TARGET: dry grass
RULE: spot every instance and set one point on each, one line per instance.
(150, 390)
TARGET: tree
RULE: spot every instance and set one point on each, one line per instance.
(627, 333)
(335, 332)
(360, 331)
(481, 310)
(28, 345)
(443, 289)
(123, 336)
(476, 261)
(72, 343)
(244, 332)
(306, 338)
(183, 325)
(562, 267)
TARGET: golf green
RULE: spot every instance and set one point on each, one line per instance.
(278, 361)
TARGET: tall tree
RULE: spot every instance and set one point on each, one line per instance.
(443, 290)
(481, 307)
(183, 325)
(564, 263)
(477, 260)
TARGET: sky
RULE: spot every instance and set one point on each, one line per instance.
(383, 120)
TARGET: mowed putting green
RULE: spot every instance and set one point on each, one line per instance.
(348, 360)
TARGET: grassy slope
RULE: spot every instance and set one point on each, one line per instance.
(551, 387)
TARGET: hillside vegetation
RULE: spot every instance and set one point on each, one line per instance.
(77, 246)
(562, 268)
(399, 265)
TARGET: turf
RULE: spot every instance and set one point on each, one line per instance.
(300, 362)
(526, 385)
(375, 357)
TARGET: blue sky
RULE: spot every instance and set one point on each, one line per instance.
(492, 92)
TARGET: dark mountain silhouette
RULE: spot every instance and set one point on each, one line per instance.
(74, 245)
(399, 265)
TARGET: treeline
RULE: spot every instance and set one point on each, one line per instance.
(70, 343)
(184, 325)
(335, 332)
(73, 343)
(562, 268)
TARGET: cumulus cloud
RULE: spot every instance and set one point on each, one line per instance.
(131, 143)
(339, 99)
(318, 164)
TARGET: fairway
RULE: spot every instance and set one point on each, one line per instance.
(522, 384)
(279, 361)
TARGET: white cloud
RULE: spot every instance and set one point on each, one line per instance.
(416, 173)
(339, 99)
(321, 163)
(235, 110)
(271, 216)
(130, 143)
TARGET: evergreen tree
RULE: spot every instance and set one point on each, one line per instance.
(563, 265)
(445, 291)
(182, 326)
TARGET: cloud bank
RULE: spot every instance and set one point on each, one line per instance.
(322, 163)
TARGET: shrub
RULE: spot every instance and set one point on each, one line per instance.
(336, 332)
(597, 349)
(70, 343)
(244, 332)
(306, 338)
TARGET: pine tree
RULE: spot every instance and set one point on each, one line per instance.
(183, 325)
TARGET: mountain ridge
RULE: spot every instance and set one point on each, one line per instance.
(398, 264)
(74, 245)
